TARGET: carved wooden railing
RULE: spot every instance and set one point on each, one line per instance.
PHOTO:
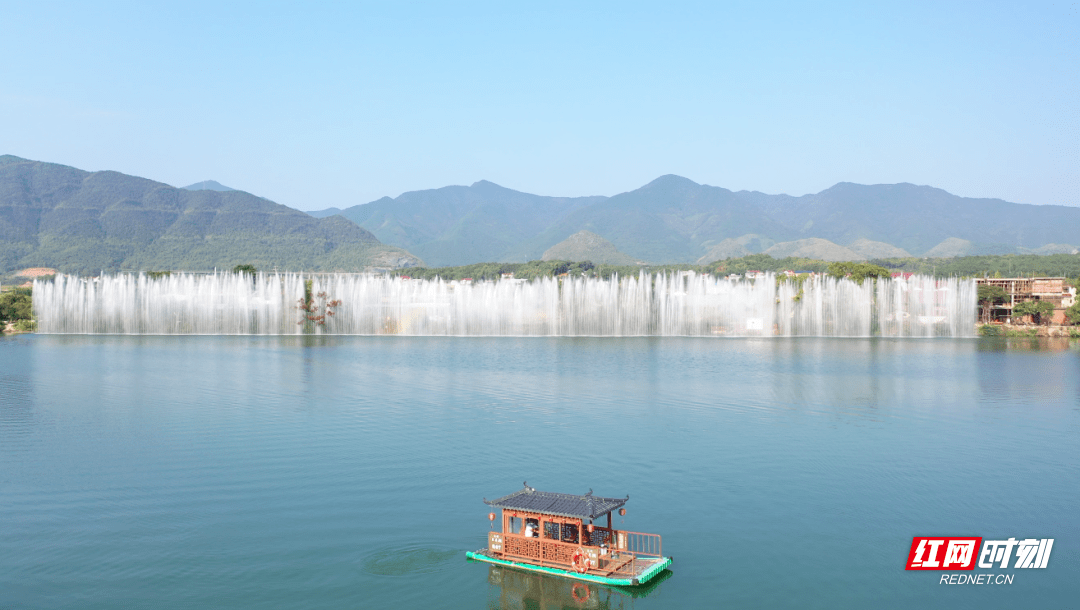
(609, 551)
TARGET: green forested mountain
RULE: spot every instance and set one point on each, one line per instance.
(459, 225)
(57, 216)
(84, 222)
(673, 219)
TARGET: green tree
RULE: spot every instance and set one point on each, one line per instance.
(1072, 314)
(858, 271)
(988, 296)
(249, 269)
(1039, 311)
(17, 306)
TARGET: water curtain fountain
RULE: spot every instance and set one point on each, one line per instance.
(664, 304)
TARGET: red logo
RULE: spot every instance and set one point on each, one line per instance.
(943, 553)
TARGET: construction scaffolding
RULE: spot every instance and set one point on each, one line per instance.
(1021, 289)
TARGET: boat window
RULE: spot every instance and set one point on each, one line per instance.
(515, 525)
(599, 537)
(532, 528)
(569, 532)
(551, 530)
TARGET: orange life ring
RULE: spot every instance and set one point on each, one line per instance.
(580, 561)
(583, 598)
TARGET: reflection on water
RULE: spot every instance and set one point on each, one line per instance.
(16, 390)
(17, 407)
(512, 589)
(1036, 344)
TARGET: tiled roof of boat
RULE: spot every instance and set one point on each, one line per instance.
(582, 506)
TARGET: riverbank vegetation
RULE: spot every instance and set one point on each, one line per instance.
(16, 310)
(1008, 330)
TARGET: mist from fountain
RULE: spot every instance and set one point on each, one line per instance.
(664, 304)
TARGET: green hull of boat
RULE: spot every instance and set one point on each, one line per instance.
(645, 576)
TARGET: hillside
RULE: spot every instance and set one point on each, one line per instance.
(458, 225)
(587, 246)
(85, 222)
(875, 249)
(813, 248)
(673, 219)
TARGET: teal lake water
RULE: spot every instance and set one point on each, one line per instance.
(312, 472)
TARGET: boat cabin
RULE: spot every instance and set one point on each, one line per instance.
(564, 534)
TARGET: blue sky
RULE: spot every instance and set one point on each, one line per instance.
(334, 104)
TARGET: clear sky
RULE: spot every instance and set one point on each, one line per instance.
(334, 104)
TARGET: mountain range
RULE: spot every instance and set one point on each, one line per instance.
(76, 221)
(85, 222)
(675, 220)
(462, 225)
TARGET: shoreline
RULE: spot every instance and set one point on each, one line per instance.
(1027, 330)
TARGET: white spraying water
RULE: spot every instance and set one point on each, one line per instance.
(673, 304)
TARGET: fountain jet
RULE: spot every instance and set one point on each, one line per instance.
(662, 304)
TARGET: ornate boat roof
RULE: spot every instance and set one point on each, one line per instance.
(580, 506)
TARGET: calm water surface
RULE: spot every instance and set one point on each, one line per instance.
(237, 472)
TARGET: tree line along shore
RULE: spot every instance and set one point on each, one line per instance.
(1004, 265)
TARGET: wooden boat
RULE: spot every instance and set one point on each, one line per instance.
(554, 533)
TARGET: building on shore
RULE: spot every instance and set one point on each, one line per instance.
(1020, 289)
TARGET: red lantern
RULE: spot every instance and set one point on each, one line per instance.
(590, 528)
(491, 516)
(622, 512)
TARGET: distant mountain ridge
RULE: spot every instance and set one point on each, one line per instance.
(208, 185)
(85, 222)
(457, 225)
(674, 219)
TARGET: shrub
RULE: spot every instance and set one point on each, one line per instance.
(1038, 310)
(858, 271)
(1072, 314)
(16, 305)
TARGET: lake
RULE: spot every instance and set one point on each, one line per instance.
(349, 472)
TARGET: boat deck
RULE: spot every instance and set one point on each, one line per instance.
(622, 569)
